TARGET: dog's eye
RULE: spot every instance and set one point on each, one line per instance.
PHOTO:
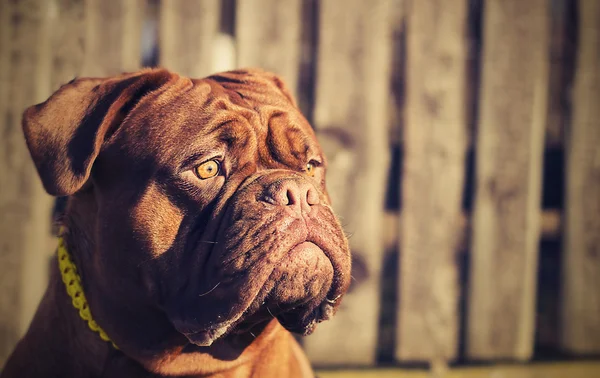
(310, 169)
(207, 169)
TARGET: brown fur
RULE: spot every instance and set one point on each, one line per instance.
(188, 277)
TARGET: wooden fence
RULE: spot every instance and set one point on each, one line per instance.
(435, 115)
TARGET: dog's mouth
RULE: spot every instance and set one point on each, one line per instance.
(301, 320)
(296, 294)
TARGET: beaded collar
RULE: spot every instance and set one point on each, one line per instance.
(72, 282)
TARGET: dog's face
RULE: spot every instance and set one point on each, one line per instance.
(209, 199)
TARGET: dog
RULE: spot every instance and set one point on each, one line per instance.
(198, 233)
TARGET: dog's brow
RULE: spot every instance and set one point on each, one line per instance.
(233, 133)
(193, 159)
(220, 126)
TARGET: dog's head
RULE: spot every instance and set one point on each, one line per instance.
(203, 200)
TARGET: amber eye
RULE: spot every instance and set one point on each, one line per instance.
(310, 169)
(208, 169)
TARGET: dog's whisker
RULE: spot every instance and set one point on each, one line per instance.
(268, 309)
(332, 301)
(253, 335)
(208, 242)
(208, 292)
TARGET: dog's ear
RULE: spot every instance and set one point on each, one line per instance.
(65, 134)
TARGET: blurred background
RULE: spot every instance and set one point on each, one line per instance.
(463, 139)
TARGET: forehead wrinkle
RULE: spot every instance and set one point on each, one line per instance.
(254, 86)
(285, 142)
(198, 127)
(237, 134)
(235, 112)
(231, 135)
(230, 98)
(258, 95)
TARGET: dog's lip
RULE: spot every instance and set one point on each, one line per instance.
(205, 338)
(319, 314)
(304, 250)
(305, 325)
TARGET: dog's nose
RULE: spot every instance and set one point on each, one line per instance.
(292, 193)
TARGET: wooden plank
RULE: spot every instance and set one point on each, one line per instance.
(510, 140)
(25, 238)
(305, 93)
(353, 74)
(113, 37)
(67, 41)
(545, 370)
(398, 80)
(187, 33)
(267, 33)
(561, 59)
(581, 278)
(224, 53)
(9, 258)
(435, 140)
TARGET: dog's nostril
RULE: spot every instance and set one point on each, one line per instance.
(291, 193)
(289, 198)
(312, 197)
(300, 194)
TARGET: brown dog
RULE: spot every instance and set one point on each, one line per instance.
(199, 223)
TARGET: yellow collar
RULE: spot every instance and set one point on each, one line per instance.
(72, 281)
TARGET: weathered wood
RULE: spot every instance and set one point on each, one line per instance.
(5, 56)
(9, 257)
(510, 141)
(112, 37)
(551, 227)
(188, 29)
(305, 93)
(435, 139)
(545, 370)
(398, 79)
(560, 67)
(67, 41)
(268, 36)
(581, 278)
(25, 239)
(353, 73)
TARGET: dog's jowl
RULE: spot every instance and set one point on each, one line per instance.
(198, 232)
